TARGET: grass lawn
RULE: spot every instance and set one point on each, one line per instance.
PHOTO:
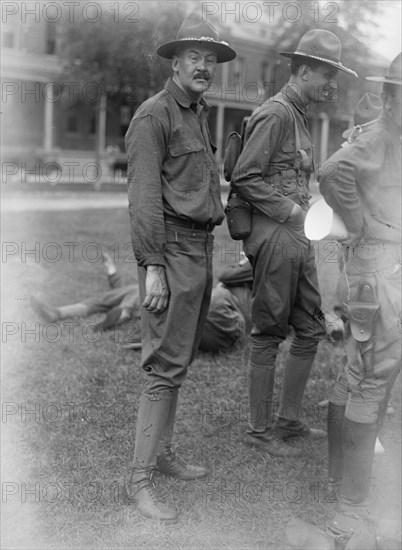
(70, 402)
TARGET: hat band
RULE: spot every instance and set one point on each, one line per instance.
(203, 39)
(359, 128)
(328, 58)
(367, 123)
(336, 63)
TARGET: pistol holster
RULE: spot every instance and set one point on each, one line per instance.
(362, 312)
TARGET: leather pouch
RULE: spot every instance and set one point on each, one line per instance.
(362, 312)
(238, 217)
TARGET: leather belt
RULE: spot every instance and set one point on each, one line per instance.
(189, 224)
(373, 257)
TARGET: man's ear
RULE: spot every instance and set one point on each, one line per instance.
(175, 63)
(304, 72)
(385, 102)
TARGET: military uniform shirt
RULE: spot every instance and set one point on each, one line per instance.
(171, 170)
(269, 150)
(362, 182)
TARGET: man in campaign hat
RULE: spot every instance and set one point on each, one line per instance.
(174, 204)
(367, 112)
(272, 175)
(365, 190)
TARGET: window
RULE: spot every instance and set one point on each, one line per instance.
(125, 117)
(92, 124)
(264, 71)
(51, 38)
(239, 69)
(72, 124)
(8, 39)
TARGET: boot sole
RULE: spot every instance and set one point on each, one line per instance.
(160, 473)
(261, 446)
(159, 520)
(308, 436)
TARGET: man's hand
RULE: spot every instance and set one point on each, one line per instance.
(156, 289)
(352, 239)
(296, 217)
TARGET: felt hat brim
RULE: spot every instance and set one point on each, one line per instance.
(223, 51)
(331, 62)
(385, 79)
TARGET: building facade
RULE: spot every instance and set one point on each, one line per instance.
(65, 131)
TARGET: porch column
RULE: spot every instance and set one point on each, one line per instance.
(102, 125)
(220, 119)
(324, 136)
(220, 115)
(48, 120)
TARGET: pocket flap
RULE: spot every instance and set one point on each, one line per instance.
(180, 147)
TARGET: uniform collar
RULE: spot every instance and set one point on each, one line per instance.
(388, 122)
(291, 95)
(180, 96)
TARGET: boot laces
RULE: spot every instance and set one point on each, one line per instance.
(174, 458)
(157, 496)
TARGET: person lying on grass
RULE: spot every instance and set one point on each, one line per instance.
(228, 320)
(228, 317)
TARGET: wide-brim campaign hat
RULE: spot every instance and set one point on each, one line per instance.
(393, 75)
(322, 45)
(367, 111)
(194, 29)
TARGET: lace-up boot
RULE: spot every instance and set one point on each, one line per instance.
(169, 463)
(151, 504)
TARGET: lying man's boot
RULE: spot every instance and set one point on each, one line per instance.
(362, 540)
(296, 428)
(170, 464)
(47, 313)
(271, 443)
(141, 490)
(345, 524)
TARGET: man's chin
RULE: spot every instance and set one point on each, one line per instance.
(329, 97)
(201, 85)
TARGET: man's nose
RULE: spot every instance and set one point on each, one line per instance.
(333, 85)
(202, 64)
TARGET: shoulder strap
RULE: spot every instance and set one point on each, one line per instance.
(243, 131)
(296, 126)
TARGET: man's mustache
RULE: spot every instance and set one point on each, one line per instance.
(202, 74)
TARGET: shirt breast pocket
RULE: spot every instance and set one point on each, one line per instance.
(304, 155)
(187, 166)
